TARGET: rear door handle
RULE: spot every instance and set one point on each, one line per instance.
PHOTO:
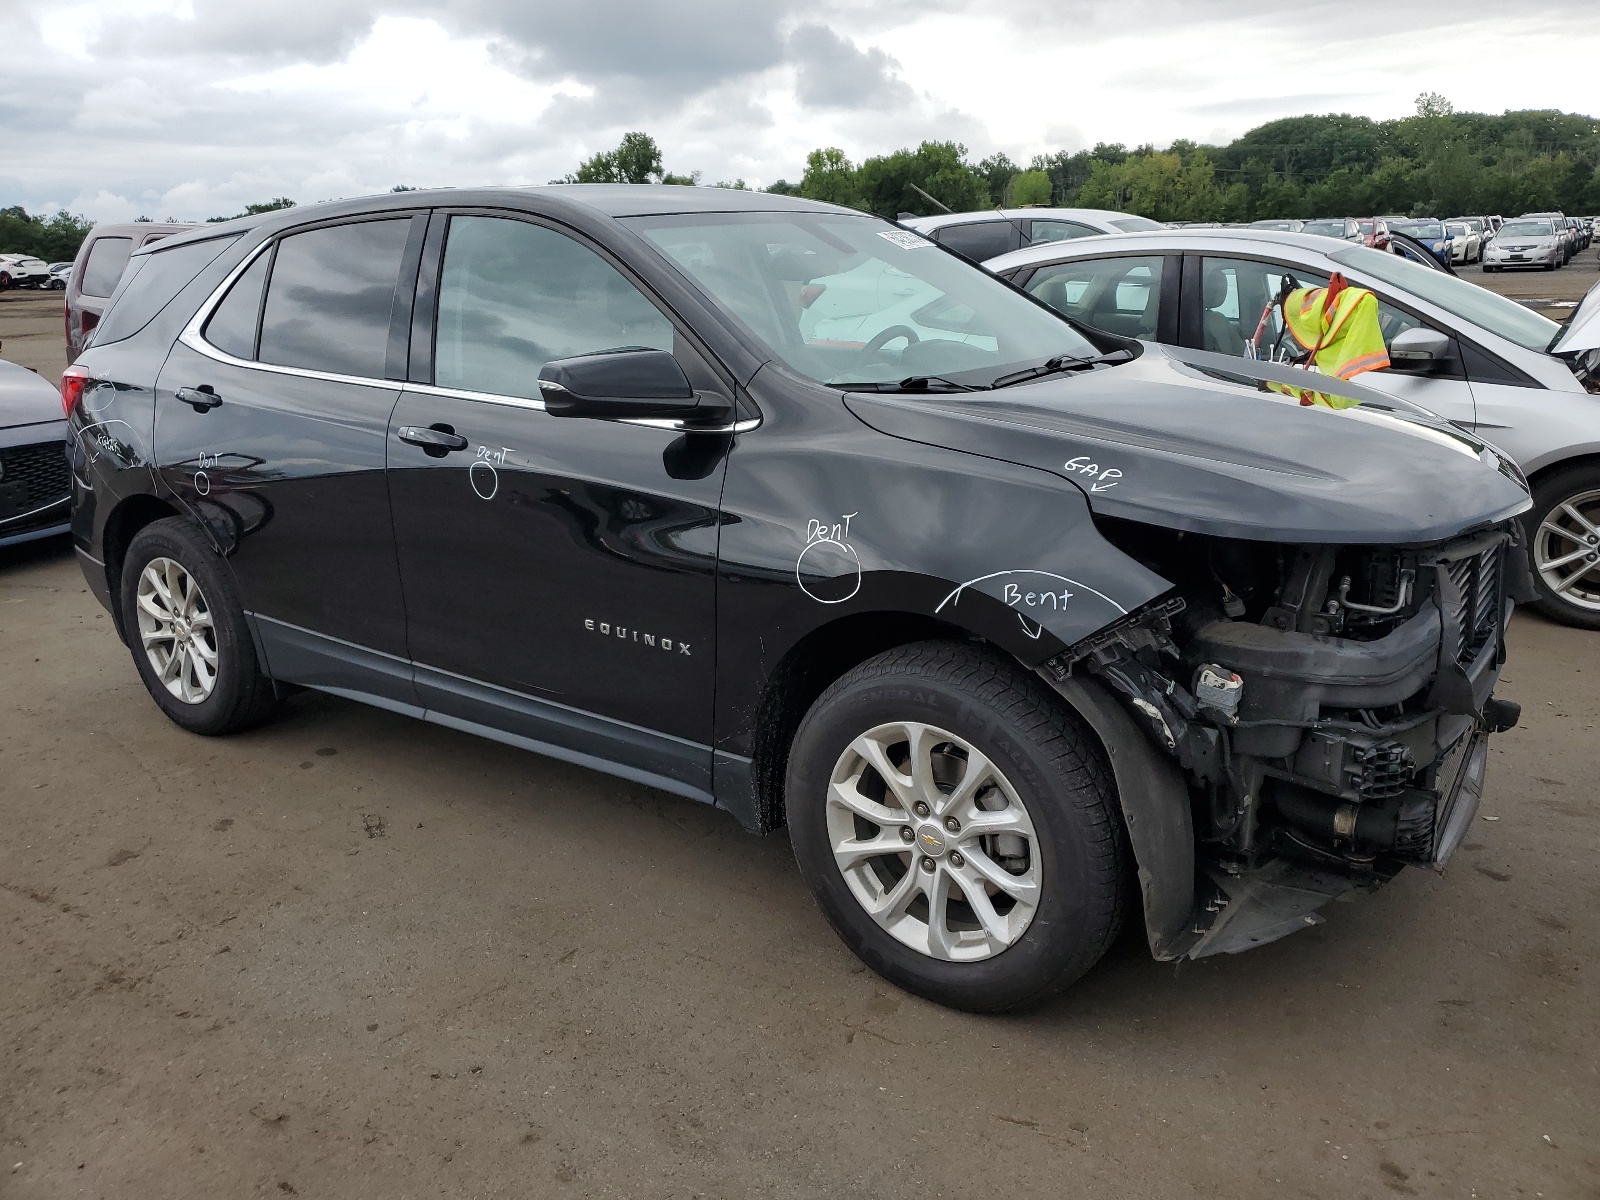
(433, 438)
(200, 398)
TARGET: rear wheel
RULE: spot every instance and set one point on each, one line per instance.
(1564, 528)
(187, 631)
(958, 826)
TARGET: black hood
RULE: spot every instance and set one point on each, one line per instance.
(1196, 441)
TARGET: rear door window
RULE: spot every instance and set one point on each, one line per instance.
(330, 298)
(980, 240)
(514, 295)
(107, 259)
(1119, 295)
(151, 284)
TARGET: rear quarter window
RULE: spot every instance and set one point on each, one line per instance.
(150, 285)
(107, 259)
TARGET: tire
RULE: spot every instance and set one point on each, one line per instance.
(1554, 533)
(5, 281)
(1045, 778)
(209, 637)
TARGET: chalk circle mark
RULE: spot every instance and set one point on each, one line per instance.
(837, 564)
(487, 484)
(202, 483)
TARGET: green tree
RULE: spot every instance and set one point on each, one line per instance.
(1031, 187)
(55, 239)
(831, 178)
(251, 210)
(637, 159)
(998, 171)
(889, 185)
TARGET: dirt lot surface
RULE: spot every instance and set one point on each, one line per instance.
(353, 955)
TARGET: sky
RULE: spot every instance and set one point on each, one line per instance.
(195, 108)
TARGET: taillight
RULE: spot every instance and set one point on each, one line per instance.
(73, 380)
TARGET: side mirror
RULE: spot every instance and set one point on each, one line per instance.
(1422, 352)
(632, 382)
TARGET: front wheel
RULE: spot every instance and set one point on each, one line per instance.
(1564, 532)
(958, 826)
(183, 621)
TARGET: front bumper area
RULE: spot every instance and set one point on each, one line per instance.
(1338, 760)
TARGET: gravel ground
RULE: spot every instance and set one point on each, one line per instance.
(352, 955)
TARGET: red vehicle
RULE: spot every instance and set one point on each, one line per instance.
(1376, 232)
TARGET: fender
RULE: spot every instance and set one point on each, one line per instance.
(825, 519)
(1155, 809)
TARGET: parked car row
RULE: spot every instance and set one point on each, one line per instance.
(772, 504)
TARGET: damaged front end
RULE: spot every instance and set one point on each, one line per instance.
(1327, 709)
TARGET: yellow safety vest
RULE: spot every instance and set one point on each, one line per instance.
(1343, 340)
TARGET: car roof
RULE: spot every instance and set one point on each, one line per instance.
(927, 224)
(1163, 239)
(597, 199)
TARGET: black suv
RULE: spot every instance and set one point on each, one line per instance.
(1018, 627)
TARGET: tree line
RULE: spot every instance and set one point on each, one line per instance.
(1435, 162)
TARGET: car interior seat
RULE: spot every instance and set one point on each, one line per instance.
(1221, 332)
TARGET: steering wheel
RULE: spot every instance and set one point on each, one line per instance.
(882, 338)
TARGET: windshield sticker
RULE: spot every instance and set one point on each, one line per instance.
(905, 239)
(831, 560)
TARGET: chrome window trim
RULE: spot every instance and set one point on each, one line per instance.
(193, 337)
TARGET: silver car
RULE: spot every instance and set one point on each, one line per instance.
(1485, 362)
(1526, 242)
(982, 235)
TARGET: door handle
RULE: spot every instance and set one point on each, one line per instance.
(433, 438)
(200, 398)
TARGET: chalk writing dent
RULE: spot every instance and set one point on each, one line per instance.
(1081, 466)
(819, 536)
(483, 477)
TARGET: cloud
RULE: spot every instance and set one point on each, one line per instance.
(194, 108)
(832, 73)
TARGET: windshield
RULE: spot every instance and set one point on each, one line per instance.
(854, 300)
(1425, 231)
(1285, 226)
(1325, 228)
(1455, 295)
(1135, 224)
(1526, 229)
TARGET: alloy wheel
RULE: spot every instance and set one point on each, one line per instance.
(1566, 550)
(176, 630)
(933, 842)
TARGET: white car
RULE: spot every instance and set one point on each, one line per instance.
(1466, 244)
(1485, 362)
(982, 235)
(23, 270)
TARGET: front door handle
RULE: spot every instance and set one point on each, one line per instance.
(439, 439)
(200, 398)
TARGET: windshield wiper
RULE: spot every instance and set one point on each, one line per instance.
(912, 383)
(1061, 362)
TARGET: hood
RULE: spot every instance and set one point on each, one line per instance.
(25, 399)
(1196, 441)
(1582, 329)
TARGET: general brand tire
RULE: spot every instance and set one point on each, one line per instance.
(1565, 505)
(1024, 763)
(239, 694)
